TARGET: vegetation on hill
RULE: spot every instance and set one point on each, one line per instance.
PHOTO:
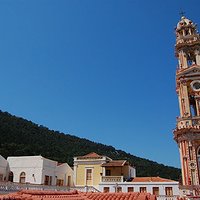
(22, 137)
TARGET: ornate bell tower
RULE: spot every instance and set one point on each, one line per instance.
(187, 132)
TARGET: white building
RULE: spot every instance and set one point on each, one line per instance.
(39, 170)
(154, 185)
(3, 169)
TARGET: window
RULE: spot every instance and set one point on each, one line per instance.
(22, 177)
(88, 174)
(68, 180)
(198, 155)
(143, 189)
(130, 189)
(59, 182)
(46, 180)
(168, 191)
(50, 180)
(156, 191)
(191, 58)
(186, 32)
(193, 108)
(10, 177)
(1, 177)
(106, 189)
(119, 189)
(108, 172)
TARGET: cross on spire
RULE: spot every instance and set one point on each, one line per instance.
(182, 13)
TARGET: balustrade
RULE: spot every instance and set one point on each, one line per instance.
(112, 179)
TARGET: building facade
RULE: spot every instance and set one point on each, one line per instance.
(117, 176)
(39, 170)
(160, 187)
(3, 169)
(187, 132)
(92, 169)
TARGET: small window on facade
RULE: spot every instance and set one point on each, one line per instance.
(168, 191)
(130, 189)
(119, 189)
(143, 189)
(106, 189)
(46, 180)
(108, 172)
(1, 177)
(22, 177)
(10, 177)
(88, 174)
(68, 180)
(50, 180)
(59, 182)
(156, 191)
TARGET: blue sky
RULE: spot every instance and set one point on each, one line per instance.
(98, 69)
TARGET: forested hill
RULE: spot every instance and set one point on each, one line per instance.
(22, 137)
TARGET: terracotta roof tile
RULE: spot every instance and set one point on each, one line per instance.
(114, 163)
(52, 195)
(120, 196)
(91, 155)
(151, 179)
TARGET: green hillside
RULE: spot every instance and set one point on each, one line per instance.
(22, 137)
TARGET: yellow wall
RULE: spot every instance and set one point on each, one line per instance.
(81, 175)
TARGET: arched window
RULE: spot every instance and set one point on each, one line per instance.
(22, 177)
(10, 177)
(198, 157)
(198, 154)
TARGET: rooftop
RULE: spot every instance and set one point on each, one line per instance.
(52, 195)
(151, 179)
(114, 163)
(90, 155)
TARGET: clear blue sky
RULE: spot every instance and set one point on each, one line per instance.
(98, 69)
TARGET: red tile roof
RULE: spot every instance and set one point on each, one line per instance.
(114, 163)
(151, 179)
(91, 155)
(52, 195)
(120, 196)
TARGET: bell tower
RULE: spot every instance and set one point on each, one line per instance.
(187, 131)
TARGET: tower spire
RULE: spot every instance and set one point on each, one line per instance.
(187, 132)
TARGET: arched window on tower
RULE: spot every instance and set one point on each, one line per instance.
(186, 32)
(191, 59)
(193, 108)
(198, 152)
(22, 177)
(198, 158)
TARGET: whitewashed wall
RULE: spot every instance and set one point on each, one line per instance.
(3, 168)
(49, 169)
(37, 167)
(64, 171)
(132, 172)
(31, 165)
(136, 186)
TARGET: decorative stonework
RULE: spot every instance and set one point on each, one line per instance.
(187, 131)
